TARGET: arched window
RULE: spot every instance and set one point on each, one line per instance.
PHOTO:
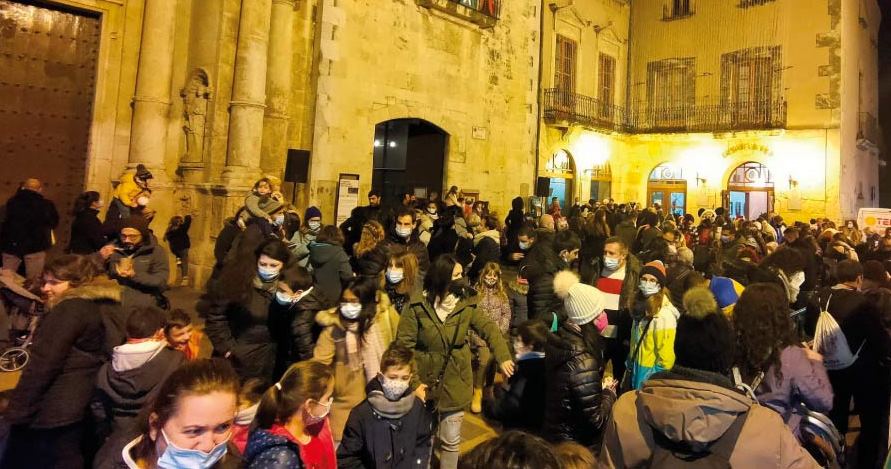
(668, 188)
(750, 191)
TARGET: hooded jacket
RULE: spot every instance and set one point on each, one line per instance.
(542, 264)
(70, 344)
(522, 406)
(385, 434)
(330, 269)
(152, 273)
(27, 228)
(486, 248)
(87, 235)
(696, 408)
(132, 378)
(576, 407)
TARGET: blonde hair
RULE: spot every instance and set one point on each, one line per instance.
(574, 456)
(408, 262)
(372, 234)
(491, 268)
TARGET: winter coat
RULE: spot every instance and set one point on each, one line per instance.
(178, 238)
(300, 246)
(70, 345)
(27, 228)
(629, 285)
(371, 263)
(656, 351)
(515, 220)
(522, 406)
(487, 248)
(268, 451)
(330, 269)
(445, 241)
(804, 380)
(385, 434)
(627, 231)
(576, 407)
(87, 235)
(541, 266)
(152, 269)
(697, 407)
(243, 329)
(421, 330)
(413, 244)
(676, 279)
(350, 379)
(122, 391)
(518, 304)
(300, 324)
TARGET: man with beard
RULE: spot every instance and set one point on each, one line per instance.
(138, 264)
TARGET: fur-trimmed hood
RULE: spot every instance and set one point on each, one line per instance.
(99, 289)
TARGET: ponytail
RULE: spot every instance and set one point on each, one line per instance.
(303, 380)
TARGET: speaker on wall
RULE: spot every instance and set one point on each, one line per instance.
(297, 166)
(543, 187)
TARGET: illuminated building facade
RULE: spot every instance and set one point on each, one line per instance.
(758, 106)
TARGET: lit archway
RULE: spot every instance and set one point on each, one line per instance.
(409, 156)
(750, 191)
(559, 172)
(667, 187)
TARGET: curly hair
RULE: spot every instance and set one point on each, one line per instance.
(763, 329)
(372, 234)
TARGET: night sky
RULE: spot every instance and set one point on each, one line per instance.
(885, 99)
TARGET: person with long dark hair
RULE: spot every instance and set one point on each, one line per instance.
(356, 334)
(238, 322)
(87, 235)
(435, 325)
(291, 428)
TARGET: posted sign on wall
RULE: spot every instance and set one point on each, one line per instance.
(347, 196)
(878, 218)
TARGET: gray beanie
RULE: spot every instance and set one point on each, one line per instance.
(583, 302)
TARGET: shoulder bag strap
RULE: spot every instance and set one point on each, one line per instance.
(448, 357)
(643, 335)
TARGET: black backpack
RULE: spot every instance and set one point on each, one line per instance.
(671, 454)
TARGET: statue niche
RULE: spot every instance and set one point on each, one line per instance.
(196, 96)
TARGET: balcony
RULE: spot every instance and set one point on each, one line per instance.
(868, 128)
(563, 107)
(484, 13)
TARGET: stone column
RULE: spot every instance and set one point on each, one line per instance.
(151, 104)
(248, 93)
(278, 88)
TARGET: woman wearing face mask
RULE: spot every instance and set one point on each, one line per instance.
(652, 333)
(87, 235)
(238, 318)
(494, 304)
(71, 343)
(435, 325)
(293, 317)
(312, 224)
(401, 278)
(356, 333)
(329, 263)
(188, 424)
(291, 429)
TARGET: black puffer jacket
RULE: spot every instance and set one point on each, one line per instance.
(541, 266)
(304, 331)
(30, 219)
(87, 236)
(576, 407)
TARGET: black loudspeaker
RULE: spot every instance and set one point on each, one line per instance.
(543, 187)
(297, 166)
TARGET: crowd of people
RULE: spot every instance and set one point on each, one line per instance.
(596, 335)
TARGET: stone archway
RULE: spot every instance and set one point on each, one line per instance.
(409, 156)
(750, 191)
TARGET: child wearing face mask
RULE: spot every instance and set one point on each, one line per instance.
(520, 402)
(401, 278)
(653, 330)
(299, 243)
(292, 428)
(494, 304)
(356, 333)
(259, 203)
(390, 429)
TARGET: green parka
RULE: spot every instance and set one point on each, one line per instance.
(421, 330)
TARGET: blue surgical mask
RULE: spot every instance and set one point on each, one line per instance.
(266, 273)
(350, 310)
(649, 289)
(175, 457)
(283, 298)
(395, 275)
(610, 263)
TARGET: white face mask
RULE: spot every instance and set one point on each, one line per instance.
(314, 225)
(142, 201)
(649, 289)
(283, 298)
(393, 388)
(796, 280)
(350, 310)
(403, 232)
(279, 219)
(611, 263)
(395, 275)
(524, 246)
(267, 273)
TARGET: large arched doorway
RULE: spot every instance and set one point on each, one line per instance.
(560, 171)
(750, 191)
(601, 182)
(668, 188)
(409, 156)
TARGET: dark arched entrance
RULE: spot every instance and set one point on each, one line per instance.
(409, 156)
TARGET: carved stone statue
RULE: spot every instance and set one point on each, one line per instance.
(195, 97)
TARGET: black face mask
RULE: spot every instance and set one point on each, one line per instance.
(128, 248)
(459, 287)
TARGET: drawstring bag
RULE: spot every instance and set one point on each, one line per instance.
(830, 341)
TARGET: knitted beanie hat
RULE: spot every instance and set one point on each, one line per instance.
(312, 212)
(656, 269)
(726, 291)
(583, 302)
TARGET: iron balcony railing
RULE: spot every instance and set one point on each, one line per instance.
(561, 105)
(868, 128)
(482, 12)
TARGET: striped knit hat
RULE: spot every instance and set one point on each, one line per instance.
(583, 302)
